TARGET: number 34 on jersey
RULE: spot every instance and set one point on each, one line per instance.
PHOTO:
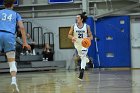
(6, 17)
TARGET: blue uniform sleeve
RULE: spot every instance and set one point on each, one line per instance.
(18, 17)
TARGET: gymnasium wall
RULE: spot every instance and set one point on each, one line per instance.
(52, 25)
(135, 41)
(114, 45)
(41, 8)
(123, 57)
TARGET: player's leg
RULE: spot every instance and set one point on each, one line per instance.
(9, 49)
(13, 69)
(76, 58)
(83, 57)
(12, 63)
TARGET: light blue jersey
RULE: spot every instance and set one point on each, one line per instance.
(8, 20)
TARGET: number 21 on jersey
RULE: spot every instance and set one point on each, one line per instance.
(80, 35)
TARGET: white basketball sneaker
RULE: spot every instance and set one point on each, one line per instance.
(14, 87)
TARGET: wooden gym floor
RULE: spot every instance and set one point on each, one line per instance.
(63, 81)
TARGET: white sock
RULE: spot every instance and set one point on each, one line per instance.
(34, 52)
(14, 79)
(83, 62)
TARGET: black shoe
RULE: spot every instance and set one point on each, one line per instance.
(81, 74)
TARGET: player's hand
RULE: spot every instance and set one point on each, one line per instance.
(73, 39)
(89, 38)
(25, 45)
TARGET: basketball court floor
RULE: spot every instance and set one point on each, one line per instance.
(63, 81)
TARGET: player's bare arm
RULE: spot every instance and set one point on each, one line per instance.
(22, 29)
(70, 35)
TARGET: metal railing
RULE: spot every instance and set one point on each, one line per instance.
(50, 37)
(37, 34)
(28, 27)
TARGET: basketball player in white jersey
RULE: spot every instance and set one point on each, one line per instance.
(77, 32)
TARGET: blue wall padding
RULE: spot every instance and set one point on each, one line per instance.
(119, 46)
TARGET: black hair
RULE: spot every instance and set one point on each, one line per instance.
(83, 16)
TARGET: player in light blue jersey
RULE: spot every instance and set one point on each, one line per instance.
(8, 21)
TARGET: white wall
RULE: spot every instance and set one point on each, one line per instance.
(135, 42)
(52, 24)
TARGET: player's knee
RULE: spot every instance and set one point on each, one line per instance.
(83, 57)
(12, 66)
(10, 54)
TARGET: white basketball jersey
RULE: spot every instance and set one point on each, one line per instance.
(79, 33)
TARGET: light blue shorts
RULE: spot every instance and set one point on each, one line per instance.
(7, 41)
